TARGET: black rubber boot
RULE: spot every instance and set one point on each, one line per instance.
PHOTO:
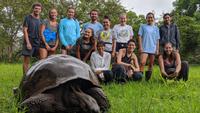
(148, 75)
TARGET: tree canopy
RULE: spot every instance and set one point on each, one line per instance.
(186, 16)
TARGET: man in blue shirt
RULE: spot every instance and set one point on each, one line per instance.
(94, 24)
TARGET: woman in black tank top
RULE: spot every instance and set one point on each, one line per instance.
(170, 64)
(127, 66)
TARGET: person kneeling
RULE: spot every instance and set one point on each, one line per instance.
(127, 66)
(100, 63)
(171, 66)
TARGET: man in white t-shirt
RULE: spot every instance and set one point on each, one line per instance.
(122, 32)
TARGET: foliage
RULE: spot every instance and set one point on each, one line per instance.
(155, 96)
(135, 21)
(187, 7)
(13, 12)
(187, 16)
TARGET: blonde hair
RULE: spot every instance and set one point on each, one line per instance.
(51, 10)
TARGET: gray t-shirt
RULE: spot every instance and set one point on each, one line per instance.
(33, 25)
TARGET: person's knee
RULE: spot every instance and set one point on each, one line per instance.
(108, 75)
(142, 63)
(185, 63)
(184, 70)
(137, 76)
(118, 68)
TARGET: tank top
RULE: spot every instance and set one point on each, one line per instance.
(127, 59)
(171, 64)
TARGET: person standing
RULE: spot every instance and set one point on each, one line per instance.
(69, 31)
(94, 24)
(122, 32)
(148, 38)
(31, 41)
(107, 36)
(169, 32)
(48, 34)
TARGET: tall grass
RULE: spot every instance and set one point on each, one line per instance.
(155, 96)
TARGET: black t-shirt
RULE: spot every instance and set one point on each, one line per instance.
(33, 26)
(84, 47)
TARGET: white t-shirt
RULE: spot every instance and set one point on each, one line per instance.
(122, 33)
(99, 62)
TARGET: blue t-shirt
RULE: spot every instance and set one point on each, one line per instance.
(50, 32)
(95, 26)
(69, 31)
(150, 36)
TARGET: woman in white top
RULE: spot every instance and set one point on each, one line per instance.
(122, 32)
(100, 63)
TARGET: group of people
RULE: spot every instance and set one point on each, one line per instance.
(99, 45)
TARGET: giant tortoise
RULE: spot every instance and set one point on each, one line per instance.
(62, 84)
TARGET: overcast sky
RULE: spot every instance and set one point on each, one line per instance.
(145, 6)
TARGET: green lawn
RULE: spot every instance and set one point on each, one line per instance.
(154, 96)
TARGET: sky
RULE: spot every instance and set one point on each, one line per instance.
(145, 6)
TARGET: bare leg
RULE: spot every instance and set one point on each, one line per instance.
(26, 62)
(51, 53)
(143, 60)
(43, 53)
(64, 51)
(151, 62)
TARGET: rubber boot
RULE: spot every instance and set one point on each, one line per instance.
(148, 75)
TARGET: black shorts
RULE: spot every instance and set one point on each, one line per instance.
(120, 46)
(34, 52)
(42, 45)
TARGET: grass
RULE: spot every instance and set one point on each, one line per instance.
(155, 96)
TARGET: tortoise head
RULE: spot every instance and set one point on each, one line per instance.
(86, 103)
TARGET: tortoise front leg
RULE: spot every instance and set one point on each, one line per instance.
(41, 103)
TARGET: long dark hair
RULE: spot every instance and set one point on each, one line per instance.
(150, 13)
(92, 40)
(171, 57)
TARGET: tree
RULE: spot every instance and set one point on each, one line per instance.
(187, 16)
(13, 12)
(186, 7)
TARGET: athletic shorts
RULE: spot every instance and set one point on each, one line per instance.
(120, 46)
(34, 52)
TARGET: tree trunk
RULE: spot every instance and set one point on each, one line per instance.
(10, 53)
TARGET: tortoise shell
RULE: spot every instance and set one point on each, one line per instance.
(55, 71)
